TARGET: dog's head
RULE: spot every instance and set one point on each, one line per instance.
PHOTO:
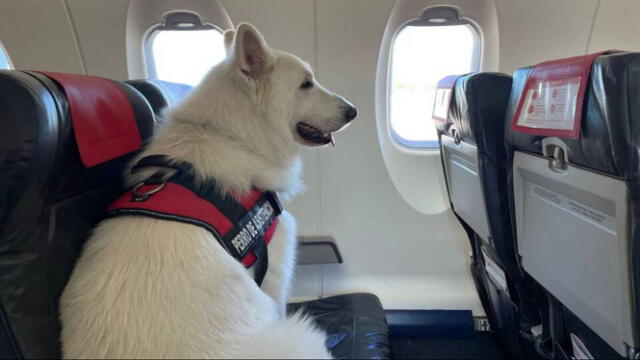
(284, 88)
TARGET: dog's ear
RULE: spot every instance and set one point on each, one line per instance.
(251, 51)
(228, 41)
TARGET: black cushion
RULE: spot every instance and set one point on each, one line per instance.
(355, 324)
(161, 94)
(50, 202)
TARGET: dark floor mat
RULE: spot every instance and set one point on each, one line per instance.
(482, 346)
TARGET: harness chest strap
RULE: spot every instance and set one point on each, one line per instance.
(243, 227)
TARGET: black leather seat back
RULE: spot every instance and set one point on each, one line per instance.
(472, 143)
(577, 225)
(161, 94)
(49, 204)
(474, 158)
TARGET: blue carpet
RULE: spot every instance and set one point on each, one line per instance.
(483, 345)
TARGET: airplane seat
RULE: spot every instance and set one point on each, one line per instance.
(50, 202)
(576, 208)
(473, 154)
(355, 324)
(161, 94)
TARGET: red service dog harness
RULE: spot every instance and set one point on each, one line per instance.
(243, 226)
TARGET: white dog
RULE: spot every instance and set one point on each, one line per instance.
(150, 288)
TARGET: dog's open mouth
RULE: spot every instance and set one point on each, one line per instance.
(313, 135)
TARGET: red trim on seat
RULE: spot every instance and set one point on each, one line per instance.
(541, 117)
(102, 116)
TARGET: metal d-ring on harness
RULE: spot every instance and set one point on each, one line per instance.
(138, 193)
(242, 227)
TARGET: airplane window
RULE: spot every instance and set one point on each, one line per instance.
(4, 59)
(185, 56)
(421, 56)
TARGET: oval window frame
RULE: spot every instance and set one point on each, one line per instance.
(171, 21)
(450, 15)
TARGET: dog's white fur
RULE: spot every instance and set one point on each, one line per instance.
(159, 289)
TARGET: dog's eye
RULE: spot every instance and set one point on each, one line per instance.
(306, 84)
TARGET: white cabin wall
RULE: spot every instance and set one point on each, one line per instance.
(37, 36)
(534, 31)
(100, 26)
(411, 260)
(616, 26)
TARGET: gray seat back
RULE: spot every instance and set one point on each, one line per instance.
(576, 202)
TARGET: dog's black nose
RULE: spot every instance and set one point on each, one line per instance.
(350, 113)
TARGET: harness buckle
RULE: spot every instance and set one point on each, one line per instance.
(139, 196)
